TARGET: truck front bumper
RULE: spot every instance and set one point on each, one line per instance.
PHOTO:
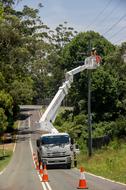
(53, 161)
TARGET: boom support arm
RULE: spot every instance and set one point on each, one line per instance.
(49, 115)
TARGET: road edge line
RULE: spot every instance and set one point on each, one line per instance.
(103, 178)
(31, 148)
(16, 138)
(106, 179)
(49, 187)
(2, 171)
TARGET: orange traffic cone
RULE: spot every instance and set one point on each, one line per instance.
(45, 174)
(82, 181)
(41, 169)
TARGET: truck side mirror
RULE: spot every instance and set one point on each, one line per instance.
(71, 147)
(38, 142)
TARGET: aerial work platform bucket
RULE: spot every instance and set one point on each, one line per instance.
(92, 62)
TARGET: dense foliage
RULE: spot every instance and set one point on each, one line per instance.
(33, 60)
(30, 59)
(107, 95)
(18, 44)
(107, 90)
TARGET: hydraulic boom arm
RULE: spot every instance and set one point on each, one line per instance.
(49, 115)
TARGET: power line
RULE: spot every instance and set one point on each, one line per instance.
(115, 24)
(122, 39)
(107, 17)
(100, 13)
(121, 29)
(110, 13)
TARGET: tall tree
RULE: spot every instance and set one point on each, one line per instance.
(23, 41)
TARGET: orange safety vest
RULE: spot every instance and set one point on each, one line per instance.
(98, 58)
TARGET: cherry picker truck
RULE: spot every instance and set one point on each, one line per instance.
(56, 148)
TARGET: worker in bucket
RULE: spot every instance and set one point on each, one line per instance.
(93, 61)
(94, 54)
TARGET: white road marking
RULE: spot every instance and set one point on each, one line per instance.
(48, 185)
(106, 179)
(2, 171)
(100, 177)
(16, 138)
(45, 185)
(14, 147)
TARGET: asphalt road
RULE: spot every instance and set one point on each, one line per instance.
(20, 174)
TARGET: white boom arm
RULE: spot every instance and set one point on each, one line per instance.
(49, 115)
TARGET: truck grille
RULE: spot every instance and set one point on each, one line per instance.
(56, 154)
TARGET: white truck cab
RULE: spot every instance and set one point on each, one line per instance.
(55, 149)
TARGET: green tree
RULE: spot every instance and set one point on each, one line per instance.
(3, 121)
(22, 36)
(6, 104)
(108, 97)
(62, 35)
(104, 94)
(82, 43)
(22, 91)
(23, 42)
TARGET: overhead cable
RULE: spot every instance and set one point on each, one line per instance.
(114, 24)
(121, 29)
(100, 13)
(110, 13)
(122, 39)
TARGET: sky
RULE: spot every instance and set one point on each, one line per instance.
(108, 17)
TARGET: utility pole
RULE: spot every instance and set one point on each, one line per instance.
(89, 116)
(89, 106)
(93, 64)
(89, 110)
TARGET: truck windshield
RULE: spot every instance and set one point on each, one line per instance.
(59, 139)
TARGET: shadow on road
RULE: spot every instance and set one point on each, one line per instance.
(57, 167)
(24, 134)
(23, 116)
(28, 109)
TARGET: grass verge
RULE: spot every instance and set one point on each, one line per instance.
(4, 159)
(109, 162)
(6, 149)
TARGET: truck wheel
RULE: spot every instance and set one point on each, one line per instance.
(69, 166)
(75, 163)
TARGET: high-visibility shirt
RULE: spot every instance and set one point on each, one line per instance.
(98, 58)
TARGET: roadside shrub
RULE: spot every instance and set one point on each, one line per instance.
(120, 128)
